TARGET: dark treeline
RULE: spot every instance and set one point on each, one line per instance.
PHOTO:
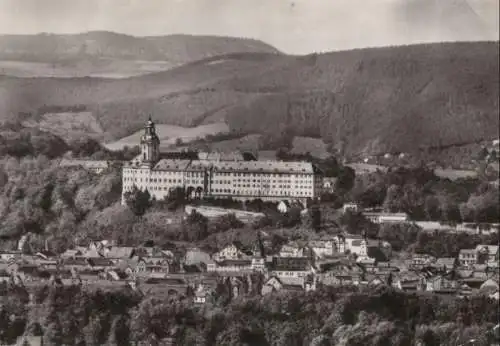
(73, 315)
(18, 141)
(424, 196)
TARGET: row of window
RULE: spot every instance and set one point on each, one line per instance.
(195, 174)
(217, 174)
(234, 192)
(153, 180)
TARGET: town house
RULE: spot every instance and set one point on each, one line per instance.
(291, 267)
(419, 261)
(294, 249)
(232, 252)
(467, 257)
(323, 248)
(356, 245)
(442, 284)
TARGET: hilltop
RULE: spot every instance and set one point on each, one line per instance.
(365, 102)
(102, 53)
(179, 49)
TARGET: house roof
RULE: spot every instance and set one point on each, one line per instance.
(74, 261)
(290, 264)
(100, 262)
(490, 283)
(166, 281)
(222, 156)
(71, 253)
(288, 282)
(235, 262)
(119, 252)
(234, 166)
(445, 261)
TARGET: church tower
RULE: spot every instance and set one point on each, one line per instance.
(150, 144)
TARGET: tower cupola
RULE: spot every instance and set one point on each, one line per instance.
(150, 143)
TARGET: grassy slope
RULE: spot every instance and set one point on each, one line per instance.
(374, 100)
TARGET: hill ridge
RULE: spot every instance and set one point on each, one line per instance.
(385, 99)
(177, 48)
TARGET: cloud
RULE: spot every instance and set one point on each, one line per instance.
(295, 26)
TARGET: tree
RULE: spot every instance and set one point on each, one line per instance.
(392, 199)
(315, 215)
(345, 179)
(53, 334)
(432, 210)
(119, 335)
(138, 201)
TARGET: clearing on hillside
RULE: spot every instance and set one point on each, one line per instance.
(68, 125)
(170, 134)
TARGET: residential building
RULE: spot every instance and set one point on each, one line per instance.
(356, 245)
(323, 248)
(419, 261)
(445, 264)
(467, 257)
(442, 284)
(240, 180)
(274, 284)
(294, 249)
(409, 282)
(353, 207)
(291, 267)
(202, 295)
(232, 252)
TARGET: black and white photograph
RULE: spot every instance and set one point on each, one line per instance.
(249, 173)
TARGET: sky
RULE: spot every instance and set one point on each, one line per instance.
(292, 26)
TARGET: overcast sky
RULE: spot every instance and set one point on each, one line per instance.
(293, 26)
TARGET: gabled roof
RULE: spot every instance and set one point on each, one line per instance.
(490, 283)
(119, 252)
(291, 264)
(445, 261)
(100, 262)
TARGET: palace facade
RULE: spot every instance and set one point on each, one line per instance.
(211, 176)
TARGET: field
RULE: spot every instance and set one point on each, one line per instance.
(169, 134)
(104, 68)
(68, 125)
(315, 146)
(249, 143)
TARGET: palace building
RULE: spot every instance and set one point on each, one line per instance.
(203, 175)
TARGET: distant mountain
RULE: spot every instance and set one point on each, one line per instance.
(366, 101)
(176, 49)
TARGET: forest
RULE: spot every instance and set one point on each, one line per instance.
(73, 315)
